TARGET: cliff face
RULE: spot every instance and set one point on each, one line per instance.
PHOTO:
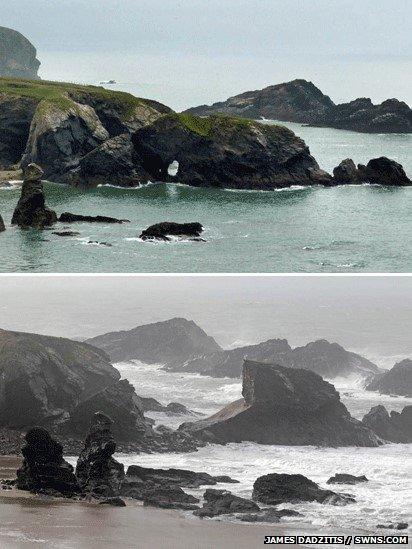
(284, 406)
(393, 427)
(176, 339)
(397, 381)
(17, 55)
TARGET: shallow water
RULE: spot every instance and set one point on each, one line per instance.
(343, 229)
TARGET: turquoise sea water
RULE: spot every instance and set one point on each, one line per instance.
(344, 229)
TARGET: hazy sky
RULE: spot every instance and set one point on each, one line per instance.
(371, 315)
(189, 51)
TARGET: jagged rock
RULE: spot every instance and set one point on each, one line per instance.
(270, 515)
(114, 502)
(284, 406)
(98, 472)
(277, 488)
(178, 477)
(44, 469)
(296, 101)
(225, 152)
(397, 381)
(166, 229)
(17, 55)
(161, 342)
(2, 225)
(344, 478)
(384, 171)
(170, 497)
(31, 210)
(396, 427)
(346, 172)
(222, 502)
(67, 217)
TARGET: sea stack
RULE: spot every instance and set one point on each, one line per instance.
(31, 210)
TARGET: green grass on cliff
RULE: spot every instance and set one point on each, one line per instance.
(59, 93)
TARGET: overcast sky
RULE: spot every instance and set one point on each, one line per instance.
(366, 314)
(189, 50)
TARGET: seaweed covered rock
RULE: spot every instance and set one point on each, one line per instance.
(44, 469)
(31, 210)
(277, 488)
(222, 502)
(226, 152)
(166, 229)
(99, 474)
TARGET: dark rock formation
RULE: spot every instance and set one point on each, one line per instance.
(166, 229)
(270, 515)
(344, 478)
(114, 502)
(17, 55)
(397, 381)
(326, 359)
(178, 477)
(346, 172)
(222, 502)
(394, 526)
(148, 404)
(284, 406)
(170, 497)
(280, 488)
(67, 217)
(99, 474)
(361, 115)
(225, 152)
(44, 469)
(2, 225)
(296, 101)
(396, 427)
(31, 210)
(158, 343)
(16, 114)
(54, 382)
(383, 171)
(66, 233)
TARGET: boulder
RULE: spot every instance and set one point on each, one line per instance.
(2, 225)
(158, 343)
(170, 497)
(67, 217)
(98, 473)
(225, 152)
(393, 427)
(31, 210)
(17, 55)
(284, 406)
(346, 172)
(344, 478)
(397, 381)
(222, 502)
(384, 171)
(166, 229)
(44, 469)
(178, 477)
(275, 488)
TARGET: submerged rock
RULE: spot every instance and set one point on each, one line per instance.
(394, 526)
(284, 406)
(98, 472)
(66, 233)
(163, 231)
(277, 488)
(44, 469)
(31, 210)
(393, 427)
(270, 515)
(222, 502)
(344, 478)
(67, 217)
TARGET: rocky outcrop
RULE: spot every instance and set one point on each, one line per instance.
(284, 406)
(163, 231)
(225, 152)
(159, 343)
(16, 114)
(222, 502)
(329, 360)
(270, 515)
(55, 383)
(176, 477)
(98, 473)
(393, 427)
(361, 115)
(397, 381)
(381, 171)
(17, 55)
(346, 173)
(295, 101)
(149, 404)
(344, 478)
(277, 488)
(170, 497)
(2, 225)
(44, 469)
(67, 217)
(31, 210)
